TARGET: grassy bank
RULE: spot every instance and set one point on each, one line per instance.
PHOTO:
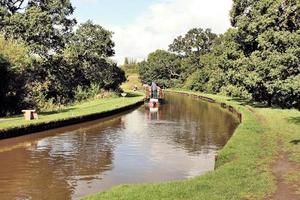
(244, 165)
(77, 110)
(132, 81)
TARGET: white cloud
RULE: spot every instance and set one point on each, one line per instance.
(164, 21)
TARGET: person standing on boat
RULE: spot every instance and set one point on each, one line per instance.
(153, 90)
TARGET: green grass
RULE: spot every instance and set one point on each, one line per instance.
(243, 166)
(82, 109)
(132, 80)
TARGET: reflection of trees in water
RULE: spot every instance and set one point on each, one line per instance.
(54, 165)
(200, 124)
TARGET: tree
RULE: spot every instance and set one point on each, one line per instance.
(84, 63)
(91, 40)
(126, 61)
(48, 58)
(4, 84)
(269, 37)
(10, 7)
(130, 66)
(89, 50)
(162, 67)
(15, 51)
(193, 44)
(44, 25)
(11, 84)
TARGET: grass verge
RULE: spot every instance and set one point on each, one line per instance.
(243, 169)
(78, 110)
(132, 81)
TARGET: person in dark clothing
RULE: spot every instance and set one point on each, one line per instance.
(153, 90)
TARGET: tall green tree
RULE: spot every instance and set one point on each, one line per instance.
(228, 69)
(130, 66)
(193, 44)
(91, 40)
(11, 84)
(89, 50)
(44, 25)
(268, 33)
(162, 67)
(15, 51)
(126, 61)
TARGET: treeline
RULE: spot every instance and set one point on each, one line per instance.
(46, 62)
(257, 59)
(130, 66)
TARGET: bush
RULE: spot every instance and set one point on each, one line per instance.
(197, 81)
(163, 83)
(82, 94)
(47, 105)
(11, 89)
(235, 91)
(287, 93)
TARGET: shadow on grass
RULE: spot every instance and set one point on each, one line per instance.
(133, 94)
(294, 120)
(295, 142)
(247, 102)
(57, 111)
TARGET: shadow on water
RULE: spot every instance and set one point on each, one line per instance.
(176, 142)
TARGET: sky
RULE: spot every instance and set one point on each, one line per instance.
(142, 26)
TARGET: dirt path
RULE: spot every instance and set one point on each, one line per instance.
(282, 167)
(284, 190)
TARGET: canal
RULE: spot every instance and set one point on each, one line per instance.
(177, 142)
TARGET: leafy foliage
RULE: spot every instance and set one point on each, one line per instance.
(43, 25)
(193, 44)
(89, 50)
(82, 94)
(91, 41)
(11, 88)
(170, 69)
(269, 38)
(15, 51)
(257, 59)
(162, 67)
(196, 42)
(51, 60)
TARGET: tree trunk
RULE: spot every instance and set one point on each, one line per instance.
(270, 97)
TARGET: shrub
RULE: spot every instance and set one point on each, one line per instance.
(197, 81)
(235, 91)
(11, 89)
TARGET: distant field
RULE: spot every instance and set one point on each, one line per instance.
(132, 80)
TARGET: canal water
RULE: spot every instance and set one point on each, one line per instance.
(177, 142)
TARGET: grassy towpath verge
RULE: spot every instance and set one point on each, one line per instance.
(132, 81)
(78, 110)
(245, 166)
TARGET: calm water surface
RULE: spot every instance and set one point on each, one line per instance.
(178, 142)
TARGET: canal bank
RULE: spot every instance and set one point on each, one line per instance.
(177, 142)
(82, 112)
(245, 166)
